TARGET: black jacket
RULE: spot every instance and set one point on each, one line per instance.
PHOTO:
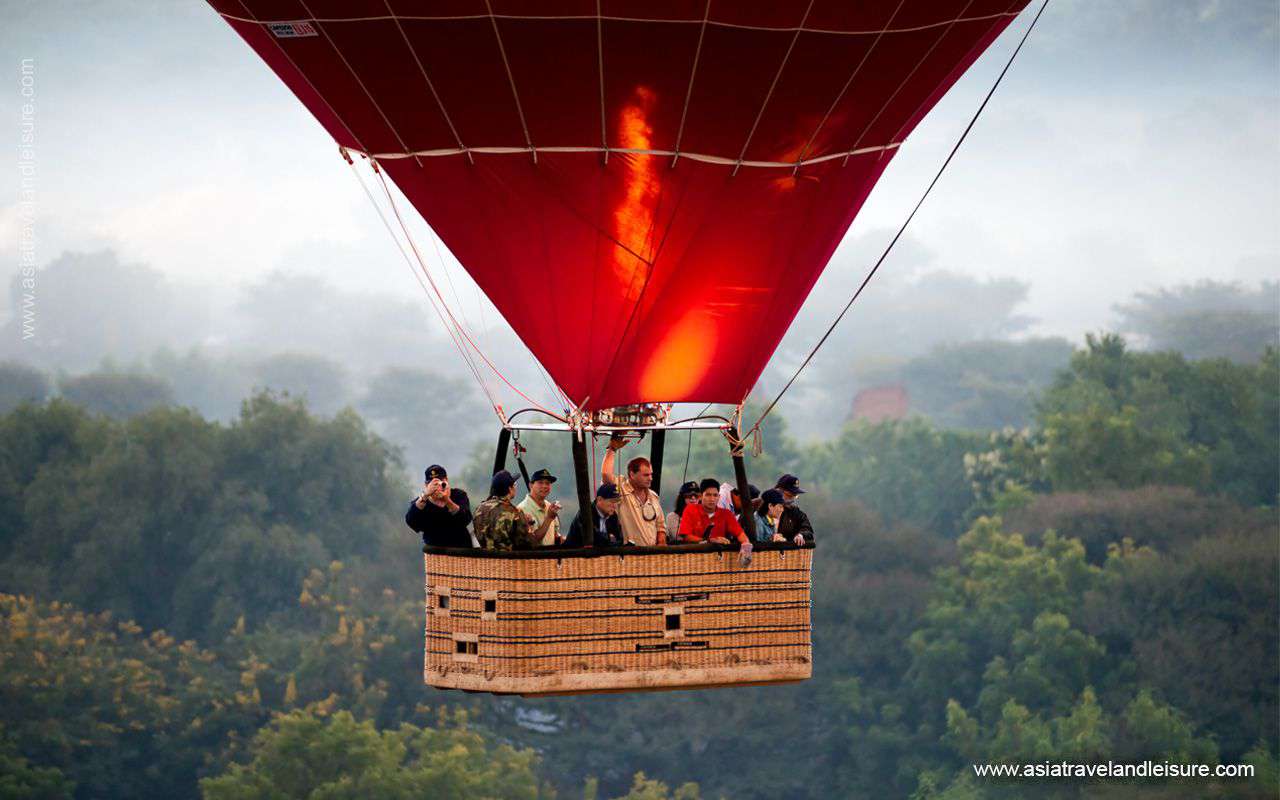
(612, 527)
(795, 521)
(438, 527)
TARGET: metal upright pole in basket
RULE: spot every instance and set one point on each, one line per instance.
(657, 440)
(585, 489)
(744, 488)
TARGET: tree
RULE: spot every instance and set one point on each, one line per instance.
(982, 385)
(1120, 419)
(116, 394)
(907, 471)
(308, 755)
(1206, 320)
(432, 418)
(96, 702)
(20, 383)
(319, 382)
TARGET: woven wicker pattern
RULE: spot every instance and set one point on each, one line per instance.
(616, 622)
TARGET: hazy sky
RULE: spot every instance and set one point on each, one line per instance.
(1135, 144)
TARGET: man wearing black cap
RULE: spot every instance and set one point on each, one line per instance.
(440, 514)
(604, 518)
(499, 524)
(544, 513)
(793, 522)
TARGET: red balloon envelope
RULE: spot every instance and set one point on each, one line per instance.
(646, 189)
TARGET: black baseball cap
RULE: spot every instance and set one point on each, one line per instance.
(789, 483)
(542, 475)
(770, 497)
(436, 471)
(501, 483)
(607, 491)
(751, 487)
(689, 487)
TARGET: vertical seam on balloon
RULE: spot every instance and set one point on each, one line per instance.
(861, 63)
(512, 78)
(304, 76)
(688, 93)
(430, 86)
(795, 37)
(604, 135)
(359, 82)
(906, 80)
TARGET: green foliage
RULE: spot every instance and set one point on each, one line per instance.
(1119, 620)
(120, 713)
(1119, 419)
(185, 524)
(308, 755)
(20, 780)
(116, 394)
(907, 471)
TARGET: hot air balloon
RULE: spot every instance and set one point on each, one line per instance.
(647, 190)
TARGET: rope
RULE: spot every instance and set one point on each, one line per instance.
(755, 429)
(684, 476)
(462, 332)
(409, 262)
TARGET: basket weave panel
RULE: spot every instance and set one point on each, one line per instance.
(600, 623)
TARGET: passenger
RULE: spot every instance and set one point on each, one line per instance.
(688, 494)
(604, 517)
(734, 503)
(499, 524)
(705, 521)
(768, 517)
(440, 514)
(544, 514)
(794, 524)
(639, 510)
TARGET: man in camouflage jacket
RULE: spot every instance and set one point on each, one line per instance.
(499, 525)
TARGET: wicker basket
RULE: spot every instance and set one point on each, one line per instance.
(615, 620)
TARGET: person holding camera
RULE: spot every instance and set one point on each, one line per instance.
(440, 514)
(543, 514)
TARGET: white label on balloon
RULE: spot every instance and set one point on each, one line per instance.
(292, 30)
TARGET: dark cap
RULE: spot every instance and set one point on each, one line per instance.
(708, 483)
(689, 487)
(501, 483)
(751, 487)
(789, 483)
(436, 471)
(770, 497)
(607, 491)
(542, 475)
